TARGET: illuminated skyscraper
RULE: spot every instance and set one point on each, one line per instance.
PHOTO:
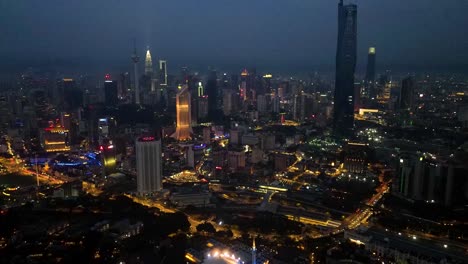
(163, 72)
(149, 165)
(55, 139)
(370, 72)
(184, 115)
(108, 158)
(369, 84)
(148, 63)
(345, 67)
(243, 87)
(200, 89)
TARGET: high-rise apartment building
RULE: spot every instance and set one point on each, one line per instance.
(236, 159)
(262, 103)
(149, 165)
(425, 177)
(229, 99)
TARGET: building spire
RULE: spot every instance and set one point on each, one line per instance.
(148, 62)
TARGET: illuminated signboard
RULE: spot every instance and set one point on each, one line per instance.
(144, 139)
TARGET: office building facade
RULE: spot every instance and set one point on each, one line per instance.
(184, 115)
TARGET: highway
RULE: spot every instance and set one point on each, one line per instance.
(14, 166)
(363, 214)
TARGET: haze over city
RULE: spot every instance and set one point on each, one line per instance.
(234, 132)
(282, 35)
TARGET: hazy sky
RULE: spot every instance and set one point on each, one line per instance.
(286, 33)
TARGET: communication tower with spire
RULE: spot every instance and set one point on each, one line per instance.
(254, 252)
(136, 59)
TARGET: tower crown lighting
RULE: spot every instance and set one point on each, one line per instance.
(148, 62)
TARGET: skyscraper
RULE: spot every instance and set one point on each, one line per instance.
(148, 63)
(149, 165)
(228, 101)
(124, 84)
(369, 88)
(184, 115)
(110, 92)
(212, 92)
(163, 72)
(345, 67)
(243, 87)
(55, 139)
(202, 107)
(407, 94)
(200, 90)
(370, 72)
(108, 158)
(69, 96)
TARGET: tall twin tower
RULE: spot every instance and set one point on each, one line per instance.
(148, 63)
(148, 70)
(161, 77)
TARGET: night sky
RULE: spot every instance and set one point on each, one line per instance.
(271, 33)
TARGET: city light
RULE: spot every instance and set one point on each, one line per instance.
(249, 144)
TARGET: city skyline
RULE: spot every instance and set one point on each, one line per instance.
(242, 132)
(304, 41)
